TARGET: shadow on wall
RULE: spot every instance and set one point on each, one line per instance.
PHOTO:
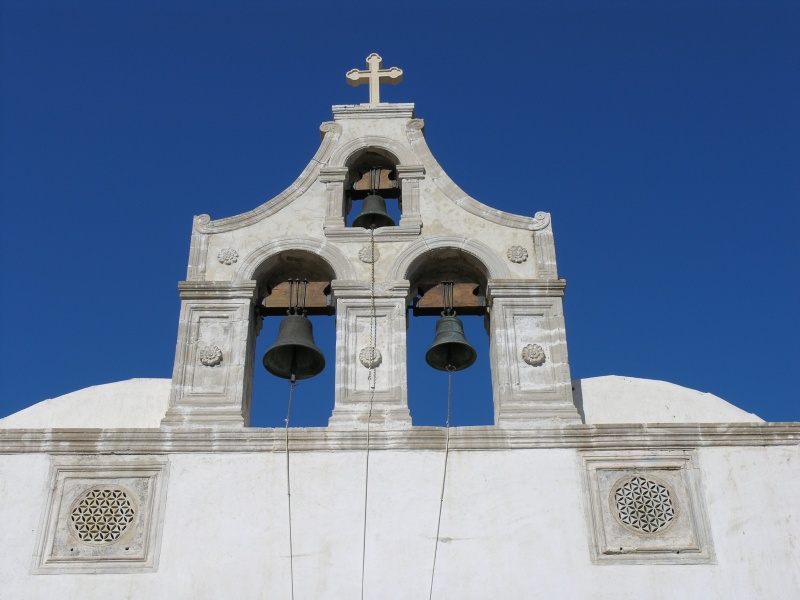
(577, 398)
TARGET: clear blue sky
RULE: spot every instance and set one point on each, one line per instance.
(663, 137)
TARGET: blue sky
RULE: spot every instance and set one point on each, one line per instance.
(663, 137)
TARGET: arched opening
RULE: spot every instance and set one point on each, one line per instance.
(313, 398)
(427, 387)
(372, 172)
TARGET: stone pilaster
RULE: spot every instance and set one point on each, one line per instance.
(530, 366)
(213, 372)
(386, 384)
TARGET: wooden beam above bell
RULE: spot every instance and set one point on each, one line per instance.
(318, 299)
(466, 301)
(378, 180)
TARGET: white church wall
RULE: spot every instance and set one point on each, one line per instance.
(513, 525)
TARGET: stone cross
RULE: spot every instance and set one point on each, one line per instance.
(374, 76)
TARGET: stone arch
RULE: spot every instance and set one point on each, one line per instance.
(342, 156)
(410, 259)
(254, 262)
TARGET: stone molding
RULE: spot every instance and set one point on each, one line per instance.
(216, 290)
(330, 136)
(60, 548)
(482, 438)
(524, 396)
(384, 110)
(332, 255)
(401, 153)
(414, 131)
(215, 314)
(408, 260)
(685, 539)
(524, 288)
(362, 289)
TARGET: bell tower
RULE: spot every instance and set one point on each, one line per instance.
(372, 231)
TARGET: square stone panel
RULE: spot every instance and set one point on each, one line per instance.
(646, 507)
(103, 515)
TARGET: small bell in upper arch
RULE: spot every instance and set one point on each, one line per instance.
(373, 214)
(450, 350)
(294, 355)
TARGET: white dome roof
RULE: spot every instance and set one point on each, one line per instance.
(614, 399)
(135, 403)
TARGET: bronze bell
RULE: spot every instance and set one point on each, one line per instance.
(294, 355)
(373, 213)
(450, 350)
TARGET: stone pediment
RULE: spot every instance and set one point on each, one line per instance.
(319, 203)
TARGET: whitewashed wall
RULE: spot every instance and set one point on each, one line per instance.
(514, 525)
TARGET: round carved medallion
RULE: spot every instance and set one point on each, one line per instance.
(227, 256)
(366, 255)
(517, 254)
(533, 354)
(370, 357)
(210, 356)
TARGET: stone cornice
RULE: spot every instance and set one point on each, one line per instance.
(386, 110)
(202, 290)
(578, 437)
(521, 288)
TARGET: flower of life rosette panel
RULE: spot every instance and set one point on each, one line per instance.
(644, 505)
(102, 515)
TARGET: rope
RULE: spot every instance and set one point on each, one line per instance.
(292, 383)
(373, 334)
(450, 370)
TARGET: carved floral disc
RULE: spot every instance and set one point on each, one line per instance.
(370, 357)
(210, 356)
(533, 354)
(517, 254)
(227, 256)
(366, 255)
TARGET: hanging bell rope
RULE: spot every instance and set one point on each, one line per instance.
(292, 383)
(373, 334)
(444, 475)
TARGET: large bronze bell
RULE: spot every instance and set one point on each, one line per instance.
(373, 213)
(294, 355)
(450, 350)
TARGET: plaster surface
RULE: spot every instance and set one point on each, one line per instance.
(134, 403)
(614, 399)
(513, 527)
(142, 403)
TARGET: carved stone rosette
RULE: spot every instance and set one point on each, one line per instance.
(370, 357)
(517, 254)
(210, 356)
(367, 255)
(533, 354)
(227, 256)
